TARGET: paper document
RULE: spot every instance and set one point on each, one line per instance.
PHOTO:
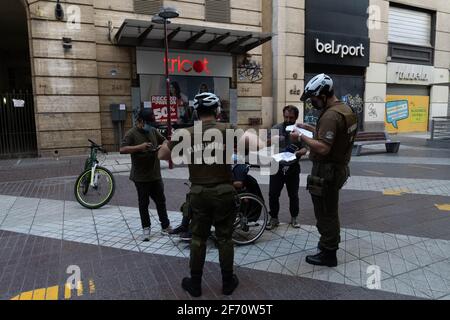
(307, 133)
(284, 156)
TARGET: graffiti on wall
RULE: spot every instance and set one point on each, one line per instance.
(407, 113)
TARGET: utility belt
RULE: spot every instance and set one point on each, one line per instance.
(326, 176)
(219, 189)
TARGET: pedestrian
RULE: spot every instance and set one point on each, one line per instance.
(288, 172)
(330, 152)
(212, 199)
(142, 142)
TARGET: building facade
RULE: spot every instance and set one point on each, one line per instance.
(70, 67)
(88, 57)
(390, 59)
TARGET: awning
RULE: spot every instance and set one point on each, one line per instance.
(141, 33)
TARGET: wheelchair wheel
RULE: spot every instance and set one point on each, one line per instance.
(248, 227)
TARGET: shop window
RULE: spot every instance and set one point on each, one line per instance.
(217, 11)
(411, 35)
(184, 89)
(149, 7)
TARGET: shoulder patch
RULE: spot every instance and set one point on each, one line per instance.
(329, 135)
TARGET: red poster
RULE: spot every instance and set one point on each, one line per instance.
(159, 106)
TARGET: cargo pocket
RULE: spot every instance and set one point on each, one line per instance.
(186, 207)
(316, 186)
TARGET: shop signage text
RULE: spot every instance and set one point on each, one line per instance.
(336, 49)
(159, 106)
(403, 73)
(341, 50)
(411, 76)
(180, 64)
(196, 64)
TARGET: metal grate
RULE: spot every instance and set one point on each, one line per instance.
(17, 125)
(150, 7)
(217, 11)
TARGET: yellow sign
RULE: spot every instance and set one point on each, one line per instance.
(407, 113)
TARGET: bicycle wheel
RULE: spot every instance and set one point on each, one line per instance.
(251, 219)
(94, 197)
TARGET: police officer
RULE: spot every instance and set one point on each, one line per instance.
(212, 200)
(330, 152)
(288, 173)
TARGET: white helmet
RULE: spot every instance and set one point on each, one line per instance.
(206, 100)
(320, 84)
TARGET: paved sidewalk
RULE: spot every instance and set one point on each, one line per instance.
(394, 215)
(409, 265)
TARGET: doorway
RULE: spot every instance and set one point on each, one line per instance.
(17, 119)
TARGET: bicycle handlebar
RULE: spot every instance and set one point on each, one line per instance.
(96, 146)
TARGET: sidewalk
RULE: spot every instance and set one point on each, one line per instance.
(393, 215)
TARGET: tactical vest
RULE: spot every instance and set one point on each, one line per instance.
(211, 174)
(341, 150)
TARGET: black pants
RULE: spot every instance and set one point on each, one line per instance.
(154, 190)
(277, 181)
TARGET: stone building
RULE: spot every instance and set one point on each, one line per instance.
(79, 57)
(64, 64)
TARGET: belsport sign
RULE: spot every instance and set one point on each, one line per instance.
(341, 50)
(336, 49)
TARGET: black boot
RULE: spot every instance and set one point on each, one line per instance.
(323, 258)
(229, 282)
(193, 285)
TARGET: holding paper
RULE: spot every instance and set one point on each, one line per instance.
(305, 132)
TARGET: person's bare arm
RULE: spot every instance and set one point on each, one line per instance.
(306, 127)
(164, 151)
(134, 149)
(300, 153)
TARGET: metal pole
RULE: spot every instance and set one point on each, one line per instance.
(169, 120)
(432, 129)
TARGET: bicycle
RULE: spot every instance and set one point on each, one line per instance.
(95, 186)
(252, 215)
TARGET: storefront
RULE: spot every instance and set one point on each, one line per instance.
(408, 97)
(200, 59)
(338, 49)
(191, 73)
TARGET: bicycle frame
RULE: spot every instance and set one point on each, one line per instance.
(92, 163)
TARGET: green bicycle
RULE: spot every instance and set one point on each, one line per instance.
(96, 185)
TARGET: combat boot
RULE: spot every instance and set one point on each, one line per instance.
(193, 285)
(229, 283)
(323, 258)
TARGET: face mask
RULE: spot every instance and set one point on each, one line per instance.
(147, 127)
(318, 104)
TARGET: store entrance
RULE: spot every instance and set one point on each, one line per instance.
(183, 89)
(348, 88)
(17, 120)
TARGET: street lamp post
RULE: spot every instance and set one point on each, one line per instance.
(163, 18)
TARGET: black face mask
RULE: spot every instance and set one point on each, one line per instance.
(319, 105)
